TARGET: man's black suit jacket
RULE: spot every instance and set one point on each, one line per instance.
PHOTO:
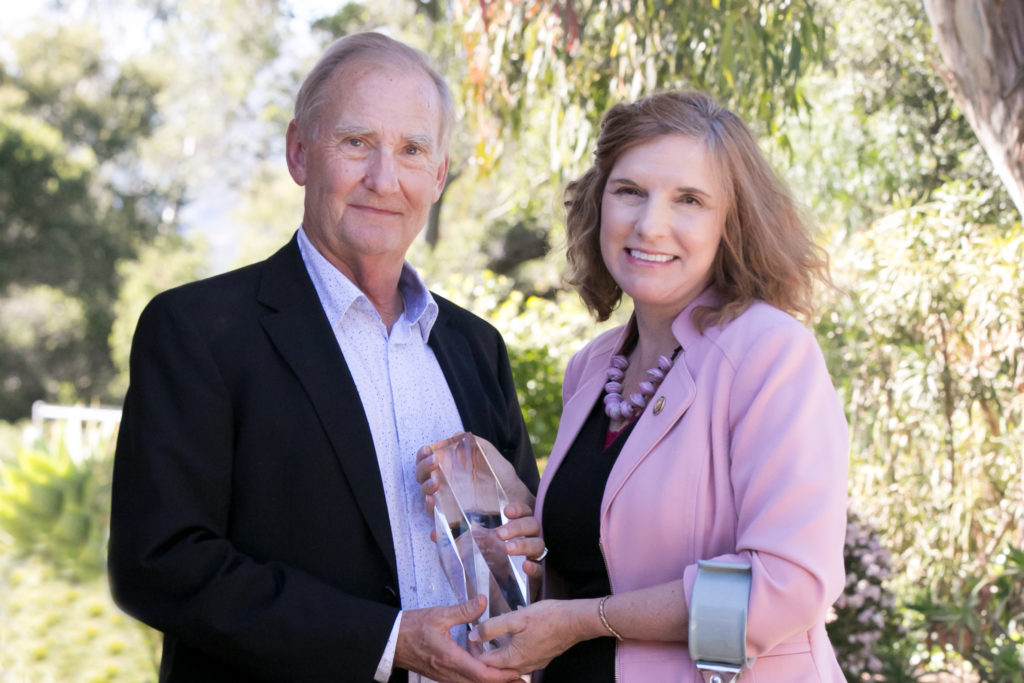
(248, 520)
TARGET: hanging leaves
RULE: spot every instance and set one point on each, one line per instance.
(578, 57)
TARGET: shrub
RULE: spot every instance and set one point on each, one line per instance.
(864, 625)
(56, 509)
(984, 619)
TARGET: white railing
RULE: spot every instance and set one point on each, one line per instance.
(84, 426)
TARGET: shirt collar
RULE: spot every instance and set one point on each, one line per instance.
(337, 293)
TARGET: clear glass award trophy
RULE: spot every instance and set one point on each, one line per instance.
(468, 507)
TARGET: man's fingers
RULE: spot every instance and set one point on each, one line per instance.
(470, 610)
(426, 463)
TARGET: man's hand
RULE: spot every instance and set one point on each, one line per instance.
(426, 646)
(426, 465)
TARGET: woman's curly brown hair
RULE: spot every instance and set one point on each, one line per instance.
(767, 252)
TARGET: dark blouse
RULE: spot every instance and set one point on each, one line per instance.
(572, 511)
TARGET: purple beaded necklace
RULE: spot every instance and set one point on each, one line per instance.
(614, 406)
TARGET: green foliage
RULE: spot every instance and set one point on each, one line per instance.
(57, 509)
(926, 346)
(57, 630)
(59, 621)
(69, 115)
(45, 349)
(100, 151)
(541, 336)
(882, 130)
(164, 263)
(574, 60)
(984, 618)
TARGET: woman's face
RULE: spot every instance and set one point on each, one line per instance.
(662, 218)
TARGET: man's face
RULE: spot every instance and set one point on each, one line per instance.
(372, 167)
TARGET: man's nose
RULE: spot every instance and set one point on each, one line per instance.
(382, 173)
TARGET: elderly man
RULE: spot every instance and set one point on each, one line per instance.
(265, 514)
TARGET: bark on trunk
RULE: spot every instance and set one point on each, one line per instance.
(982, 45)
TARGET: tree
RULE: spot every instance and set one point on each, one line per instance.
(982, 46)
(101, 152)
(574, 59)
(883, 131)
(70, 208)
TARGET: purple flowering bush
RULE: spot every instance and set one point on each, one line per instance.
(864, 623)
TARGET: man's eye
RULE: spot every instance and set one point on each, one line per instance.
(412, 150)
(354, 142)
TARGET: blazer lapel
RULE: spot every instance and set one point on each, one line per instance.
(574, 415)
(302, 334)
(575, 411)
(678, 391)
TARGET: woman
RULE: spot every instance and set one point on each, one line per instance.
(705, 428)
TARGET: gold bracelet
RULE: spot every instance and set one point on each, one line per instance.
(604, 619)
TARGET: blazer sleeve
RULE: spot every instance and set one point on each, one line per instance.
(171, 561)
(788, 451)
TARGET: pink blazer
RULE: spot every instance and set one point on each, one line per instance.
(746, 461)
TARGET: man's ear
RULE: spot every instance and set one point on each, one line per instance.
(442, 176)
(295, 153)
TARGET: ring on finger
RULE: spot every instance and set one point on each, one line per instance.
(539, 558)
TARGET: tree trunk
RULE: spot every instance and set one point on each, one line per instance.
(433, 230)
(982, 45)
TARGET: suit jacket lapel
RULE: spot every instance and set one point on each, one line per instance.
(302, 334)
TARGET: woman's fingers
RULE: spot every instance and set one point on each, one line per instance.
(493, 628)
(518, 510)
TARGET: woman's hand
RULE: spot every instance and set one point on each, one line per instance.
(515, 489)
(539, 633)
(521, 534)
(522, 537)
(429, 481)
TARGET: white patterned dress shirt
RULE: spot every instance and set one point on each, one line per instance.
(407, 404)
